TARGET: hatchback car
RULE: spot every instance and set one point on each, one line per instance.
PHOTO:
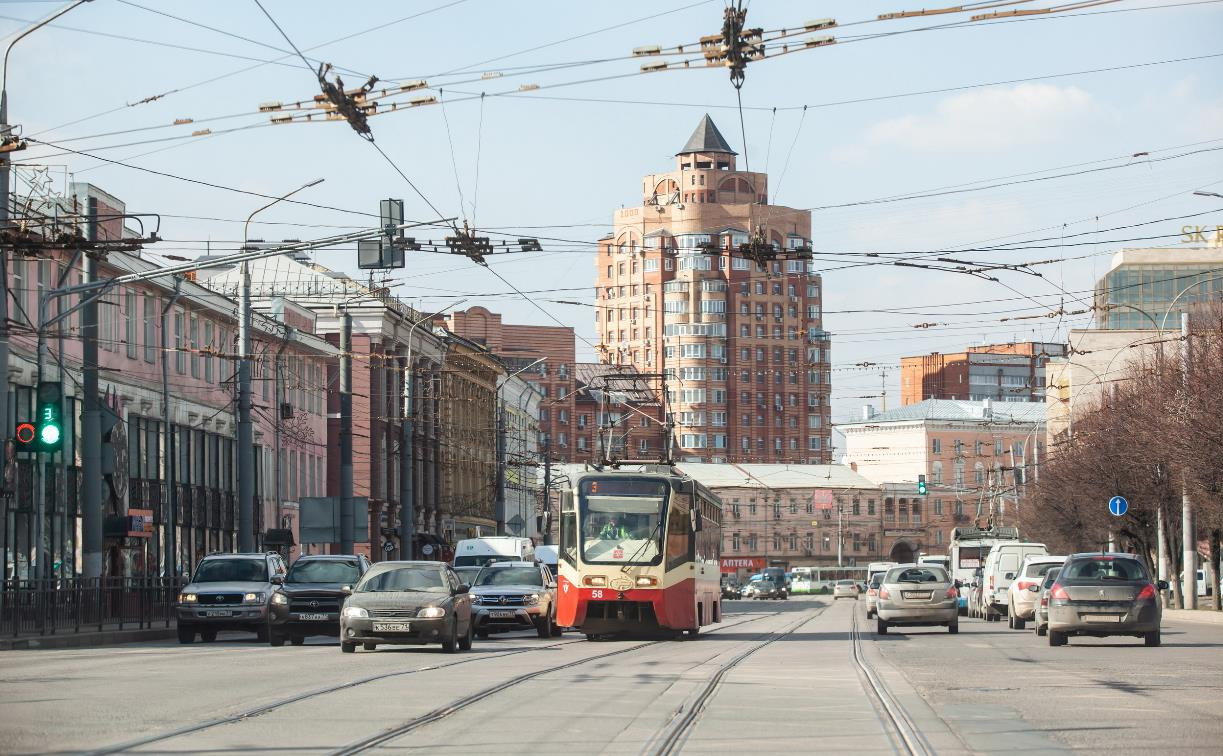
(872, 594)
(766, 589)
(228, 592)
(1040, 616)
(308, 602)
(515, 596)
(1102, 595)
(407, 603)
(845, 589)
(915, 594)
(1024, 590)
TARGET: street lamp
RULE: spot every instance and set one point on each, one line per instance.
(502, 455)
(407, 513)
(246, 438)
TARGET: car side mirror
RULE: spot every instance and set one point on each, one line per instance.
(346, 590)
(552, 586)
(277, 580)
(1162, 585)
(1034, 588)
(464, 588)
(1009, 576)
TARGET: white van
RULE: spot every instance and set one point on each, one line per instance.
(548, 555)
(1000, 569)
(477, 552)
(941, 561)
(875, 567)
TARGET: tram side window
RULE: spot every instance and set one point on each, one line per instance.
(679, 537)
(569, 537)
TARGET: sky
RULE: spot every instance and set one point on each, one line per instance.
(1012, 132)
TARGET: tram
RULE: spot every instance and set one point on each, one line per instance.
(639, 553)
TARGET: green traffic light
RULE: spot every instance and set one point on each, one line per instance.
(49, 435)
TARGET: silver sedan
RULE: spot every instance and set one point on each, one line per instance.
(915, 595)
(846, 588)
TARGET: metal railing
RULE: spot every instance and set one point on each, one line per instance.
(77, 605)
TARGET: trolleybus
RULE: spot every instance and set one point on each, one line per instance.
(639, 553)
(968, 549)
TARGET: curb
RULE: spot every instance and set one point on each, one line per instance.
(1197, 616)
(87, 640)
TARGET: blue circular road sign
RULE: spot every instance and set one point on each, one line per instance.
(1118, 505)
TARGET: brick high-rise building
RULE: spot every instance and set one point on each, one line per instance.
(744, 346)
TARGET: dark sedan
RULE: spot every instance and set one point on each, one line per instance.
(1101, 595)
(309, 599)
(407, 603)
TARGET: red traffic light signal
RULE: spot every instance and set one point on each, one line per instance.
(26, 433)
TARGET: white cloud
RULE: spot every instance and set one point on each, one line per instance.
(991, 119)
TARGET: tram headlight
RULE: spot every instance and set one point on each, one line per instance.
(645, 581)
(596, 581)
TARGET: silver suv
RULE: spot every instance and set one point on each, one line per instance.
(229, 592)
(515, 596)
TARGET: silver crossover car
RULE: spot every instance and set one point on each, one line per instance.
(399, 603)
(1040, 616)
(917, 594)
(1102, 595)
(515, 596)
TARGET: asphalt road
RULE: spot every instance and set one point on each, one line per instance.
(774, 677)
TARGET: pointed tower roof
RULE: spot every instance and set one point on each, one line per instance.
(706, 138)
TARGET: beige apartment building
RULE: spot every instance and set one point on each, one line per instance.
(977, 457)
(742, 346)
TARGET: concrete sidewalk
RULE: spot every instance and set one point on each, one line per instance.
(88, 639)
(1206, 616)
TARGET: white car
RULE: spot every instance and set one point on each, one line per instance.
(1001, 567)
(845, 588)
(1024, 591)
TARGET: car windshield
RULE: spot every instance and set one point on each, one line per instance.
(509, 576)
(622, 520)
(232, 570)
(876, 579)
(925, 574)
(427, 579)
(765, 585)
(845, 582)
(467, 574)
(1104, 568)
(324, 571)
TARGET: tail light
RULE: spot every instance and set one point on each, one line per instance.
(872, 592)
(1058, 592)
(991, 582)
(1024, 585)
(1044, 600)
(883, 593)
(951, 593)
(1147, 592)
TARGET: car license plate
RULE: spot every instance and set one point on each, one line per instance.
(392, 627)
(915, 594)
(315, 617)
(501, 615)
(1102, 617)
(217, 613)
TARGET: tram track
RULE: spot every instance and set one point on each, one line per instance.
(677, 730)
(465, 702)
(907, 735)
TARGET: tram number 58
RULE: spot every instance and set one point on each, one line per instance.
(596, 594)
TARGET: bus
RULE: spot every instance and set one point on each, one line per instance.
(639, 553)
(968, 550)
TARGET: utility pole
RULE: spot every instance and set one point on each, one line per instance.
(346, 503)
(407, 490)
(91, 430)
(1188, 542)
(246, 437)
(547, 487)
(499, 498)
(171, 450)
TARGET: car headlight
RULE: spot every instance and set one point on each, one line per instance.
(475, 599)
(531, 599)
(280, 599)
(253, 598)
(431, 612)
(187, 598)
(355, 611)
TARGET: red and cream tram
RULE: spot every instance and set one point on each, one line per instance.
(639, 553)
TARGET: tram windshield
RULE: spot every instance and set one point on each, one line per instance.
(622, 520)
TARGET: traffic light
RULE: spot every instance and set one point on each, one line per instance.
(50, 421)
(25, 437)
(921, 485)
